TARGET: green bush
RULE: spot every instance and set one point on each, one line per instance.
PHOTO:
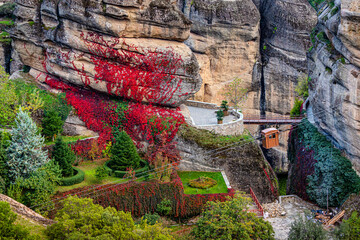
(38, 188)
(303, 228)
(2, 186)
(119, 174)
(4, 169)
(63, 155)
(101, 173)
(7, 9)
(51, 124)
(295, 111)
(349, 229)
(77, 178)
(230, 220)
(123, 153)
(80, 218)
(151, 219)
(164, 207)
(8, 99)
(8, 228)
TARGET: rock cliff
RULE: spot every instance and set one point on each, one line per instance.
(334, 102)
(72, 39)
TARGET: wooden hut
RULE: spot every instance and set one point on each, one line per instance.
(270, 138)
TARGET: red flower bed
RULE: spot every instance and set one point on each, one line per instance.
(141, 198)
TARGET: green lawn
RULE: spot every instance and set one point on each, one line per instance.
(68, 139)
(220, 187)
(89, 168)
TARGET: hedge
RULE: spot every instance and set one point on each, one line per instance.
(318, 169)
(77, 178)
(120, 174)
(140, 198)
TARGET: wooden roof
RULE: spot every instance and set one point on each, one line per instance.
(269, 130)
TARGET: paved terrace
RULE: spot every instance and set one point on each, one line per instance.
(204, 116)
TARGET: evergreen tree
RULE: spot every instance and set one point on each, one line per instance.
(63, 155)
(3, 158)
(124, 153)
(52, 124)
(25, 153)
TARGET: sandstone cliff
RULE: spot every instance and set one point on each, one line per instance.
(225, 39)
(56, 37)
(335, 76)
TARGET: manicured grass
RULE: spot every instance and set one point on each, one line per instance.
(34, 228)
(220, 187)
(68, 139)
(89, 168)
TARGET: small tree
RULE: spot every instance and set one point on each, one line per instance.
(230, 220)
(349, 229)
(124, 153)
(304, 228)
(303, 86)
(52, 124)
(101, 173)
(25, 153)
(63, 156)
(234, 93)
(296, 110)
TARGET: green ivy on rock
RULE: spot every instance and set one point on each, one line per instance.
(318, 169)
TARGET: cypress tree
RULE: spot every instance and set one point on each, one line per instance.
(52, 124)
(63, 155)
(124, 153)
(25, 154)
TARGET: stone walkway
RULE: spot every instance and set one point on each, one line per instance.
(203, 116)
(282, 224)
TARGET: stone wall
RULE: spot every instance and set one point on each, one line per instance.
(25, 211)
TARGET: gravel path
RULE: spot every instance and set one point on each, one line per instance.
(203, 116)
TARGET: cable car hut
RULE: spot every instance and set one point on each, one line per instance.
(270, 137)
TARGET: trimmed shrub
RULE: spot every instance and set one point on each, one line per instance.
(202, 182)
(63, 155)
(124, 153)
(119, 174)
(101, 173)
(77, 178)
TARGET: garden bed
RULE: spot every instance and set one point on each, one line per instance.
(89, 169)
(186, 176)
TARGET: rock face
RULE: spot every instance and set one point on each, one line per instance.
(285, 28)
(334, 102)
(134, 39)
(225, 39)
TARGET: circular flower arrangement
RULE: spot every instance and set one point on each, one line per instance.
(202, 182)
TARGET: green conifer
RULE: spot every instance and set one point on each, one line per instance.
(25, 154)
(124, 153)
(52, 124)
(63, 155)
